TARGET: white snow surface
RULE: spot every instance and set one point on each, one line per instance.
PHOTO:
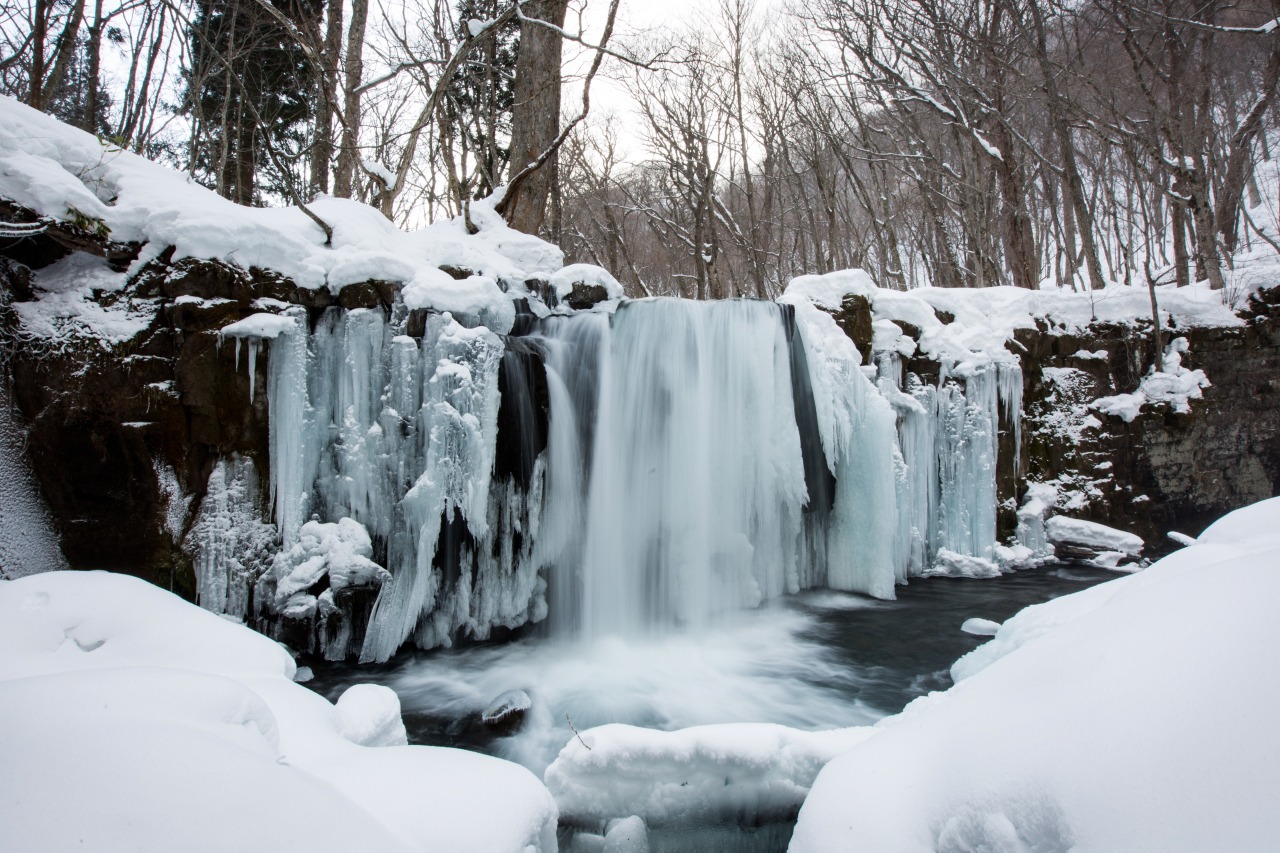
(986, 318)
(133, 720)
(1091, 534)
(702, 775)
(1135, 715)
(64, 306)
(260, 326)
(58, 171)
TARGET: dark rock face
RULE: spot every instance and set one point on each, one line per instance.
(123, 437)
(854, 319)
(1164, 471)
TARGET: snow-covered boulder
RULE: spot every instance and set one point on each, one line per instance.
(747, 773)
(1090, 537)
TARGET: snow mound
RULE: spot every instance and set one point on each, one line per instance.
(980, 627)
(1134, 715)
(948, 563)
(369, 714)
(142, 722)
(705, 775)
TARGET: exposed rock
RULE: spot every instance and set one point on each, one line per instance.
(583, 296)
(855, 320)
(368, 294)
(506, 713)
(458, 273)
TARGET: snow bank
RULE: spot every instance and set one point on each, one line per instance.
(1135, 715)
(65, 173)
(745, 773)
(139, 721)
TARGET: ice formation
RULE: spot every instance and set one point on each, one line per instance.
(656, 467)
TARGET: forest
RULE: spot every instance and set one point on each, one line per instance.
(958, 144)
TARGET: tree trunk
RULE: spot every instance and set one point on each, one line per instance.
(1178, 218)
(348, 152)
(39, 33)
(535, 116)
(64, 53)
(1240, 155)
(89, 117)
(326, 102)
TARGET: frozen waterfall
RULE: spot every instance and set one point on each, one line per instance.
(616, 473)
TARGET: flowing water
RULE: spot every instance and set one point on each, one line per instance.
(813, 661)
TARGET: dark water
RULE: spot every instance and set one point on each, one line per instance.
(820, 660)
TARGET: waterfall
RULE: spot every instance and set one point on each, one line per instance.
(620, 474)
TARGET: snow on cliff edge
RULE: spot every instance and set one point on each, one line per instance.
(65, 173)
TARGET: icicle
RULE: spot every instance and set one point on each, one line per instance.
(1010, 381)
(292, 440)
(253, 362)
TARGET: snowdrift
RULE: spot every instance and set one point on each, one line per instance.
(133, 720)
(1136, 715)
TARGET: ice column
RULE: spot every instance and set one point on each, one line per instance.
(230, 543)
(457, 423)
(858, 434)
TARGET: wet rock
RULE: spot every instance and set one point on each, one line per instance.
(855, 320)
(506, 713)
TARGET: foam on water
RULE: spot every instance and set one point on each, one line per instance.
(765, 666)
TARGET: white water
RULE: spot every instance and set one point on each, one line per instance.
(760, 667)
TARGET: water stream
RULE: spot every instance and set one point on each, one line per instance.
(813, 661)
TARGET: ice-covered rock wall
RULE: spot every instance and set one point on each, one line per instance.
(625, 472)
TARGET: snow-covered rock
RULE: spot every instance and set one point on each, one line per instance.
(1090, 535)
(64, 173)
(1175, 385)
